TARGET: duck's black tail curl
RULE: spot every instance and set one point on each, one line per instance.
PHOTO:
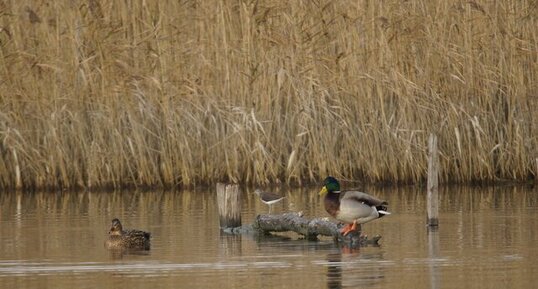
(382, 210)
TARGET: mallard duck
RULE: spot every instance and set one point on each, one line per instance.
(351, 207)
(268, 198)
(126, 239)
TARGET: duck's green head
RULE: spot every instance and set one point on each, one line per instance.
(330, 184)
(115, 228)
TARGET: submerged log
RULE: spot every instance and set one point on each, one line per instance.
(309, 228)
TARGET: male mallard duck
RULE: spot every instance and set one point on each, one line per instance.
(351, 207)
(268, 198)
(128, 239)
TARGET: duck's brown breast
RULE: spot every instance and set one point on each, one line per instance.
(332, 203)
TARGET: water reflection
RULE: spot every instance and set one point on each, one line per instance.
(118, 254)
(355, 269)
(230, 245)
(334, 270)
(486, 237)
(433, 254)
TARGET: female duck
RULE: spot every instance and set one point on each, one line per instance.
(126, 239)
(351, 207)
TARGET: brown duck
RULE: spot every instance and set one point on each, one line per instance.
(351, 207)
(126, 239)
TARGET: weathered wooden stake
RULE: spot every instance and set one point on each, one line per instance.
(18, 181)
(229, 202)
(536, 173)
(433, 173)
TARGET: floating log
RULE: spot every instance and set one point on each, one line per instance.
(432, 203)
(309, 228)
(296, 223)
(229, 203)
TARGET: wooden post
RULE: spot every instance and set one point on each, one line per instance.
(433, 173)
(536, 173)
(18, 181)
(229, 202)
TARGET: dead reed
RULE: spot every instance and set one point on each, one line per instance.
(162, 93)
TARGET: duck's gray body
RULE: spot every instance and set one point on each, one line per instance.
(359, 207)
(351, 207)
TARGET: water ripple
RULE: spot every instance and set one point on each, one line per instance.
(22, 268)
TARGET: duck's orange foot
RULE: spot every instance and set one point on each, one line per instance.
(349, 228)
(345, 230)
(353, 226)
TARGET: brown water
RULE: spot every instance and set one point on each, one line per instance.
(487, 239)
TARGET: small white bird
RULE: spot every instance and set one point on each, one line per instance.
(268, 198)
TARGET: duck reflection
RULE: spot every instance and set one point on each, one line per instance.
(120, 253)
(334, 270)
(349, 267)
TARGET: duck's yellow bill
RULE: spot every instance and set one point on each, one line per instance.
(323, 191)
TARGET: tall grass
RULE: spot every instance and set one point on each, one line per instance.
(162, 93)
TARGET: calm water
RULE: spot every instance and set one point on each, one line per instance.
(487, 239)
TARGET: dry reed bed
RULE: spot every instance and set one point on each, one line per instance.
(162, 93)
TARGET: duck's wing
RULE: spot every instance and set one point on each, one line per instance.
(360, 197)
(138, 233)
